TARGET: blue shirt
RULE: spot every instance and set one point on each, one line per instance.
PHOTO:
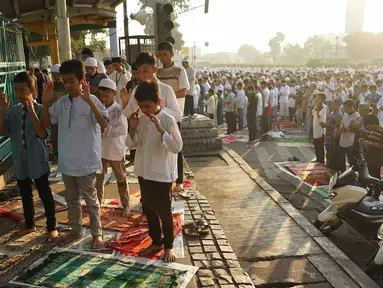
(79, 135)
(30, 162)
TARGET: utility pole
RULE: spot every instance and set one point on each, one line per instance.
(154, 6)
(126, 30)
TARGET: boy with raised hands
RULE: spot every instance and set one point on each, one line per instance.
(80, 117)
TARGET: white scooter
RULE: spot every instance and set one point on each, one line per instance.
(346, 193)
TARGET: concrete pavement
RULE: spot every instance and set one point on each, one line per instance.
(275, 244)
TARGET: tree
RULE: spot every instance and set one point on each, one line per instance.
(275, 46)
(248, 52)
(363, 46)
(91, 39)
(293, 54)
(314, 47)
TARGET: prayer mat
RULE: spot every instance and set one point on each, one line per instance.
(292, 139)
(283, 124)
(116, 202)
(17, 248)
(68, 269)
(111, 219)
(313, 173)
(14, 210)
(136, 238)
(295, 132)
(234, 138)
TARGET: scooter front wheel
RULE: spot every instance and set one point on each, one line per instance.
(327, 227)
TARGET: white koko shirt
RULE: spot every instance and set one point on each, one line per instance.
(113, 138)
(156, 155)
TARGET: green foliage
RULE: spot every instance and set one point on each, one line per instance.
(179, 5)
(275, 46)
(95, 42)
(364, 46)
(293, 54)
(249, 53)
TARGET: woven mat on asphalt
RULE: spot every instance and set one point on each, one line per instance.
(313, 173)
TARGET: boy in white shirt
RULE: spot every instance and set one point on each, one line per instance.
(158, 141)
(380, 111)
(210, 103)
(319, 117)
(113, 147)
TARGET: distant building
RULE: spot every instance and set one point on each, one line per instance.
(355, 16)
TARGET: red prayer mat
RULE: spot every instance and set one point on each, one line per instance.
(284, 124)
(116, 202)
(14, 210)
(136, 238)
(111, 219)
(312, 173)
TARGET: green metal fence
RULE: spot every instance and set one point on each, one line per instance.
(12, 61)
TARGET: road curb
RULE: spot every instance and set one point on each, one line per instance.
(349, 267)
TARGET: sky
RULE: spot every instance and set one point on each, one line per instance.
(231, 23)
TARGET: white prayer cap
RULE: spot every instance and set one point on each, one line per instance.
(287, 79)
(228, 87)
(297, 88)
(316, 92)
(108, 83)
(90, 62)
(55, 68)
(263, 78)
(123, 57)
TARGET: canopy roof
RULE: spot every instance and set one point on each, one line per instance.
(26, 11)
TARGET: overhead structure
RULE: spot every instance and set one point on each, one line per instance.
(41, 16)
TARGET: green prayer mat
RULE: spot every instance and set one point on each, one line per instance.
(70, 269)
(293, 139)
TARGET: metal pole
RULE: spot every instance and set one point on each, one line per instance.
(63, 31)
(126, 30)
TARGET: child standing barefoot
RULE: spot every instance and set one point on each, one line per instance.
(29, 153)
(158, 141)
(113, 145)
(80, 117)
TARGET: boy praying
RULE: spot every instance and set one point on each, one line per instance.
(158, 141)
(80, 117)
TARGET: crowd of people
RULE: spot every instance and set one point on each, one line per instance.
(92, 112)
(340, 109)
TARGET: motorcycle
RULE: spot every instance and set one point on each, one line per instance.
(346, 194)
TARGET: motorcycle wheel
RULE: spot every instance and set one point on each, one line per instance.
(327, 227)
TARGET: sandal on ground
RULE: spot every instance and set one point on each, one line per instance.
(200, 227)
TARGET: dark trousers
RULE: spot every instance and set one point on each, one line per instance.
(211, 116)
(319, 149)
(375, 172)
(54, 140)
(180, 163)
(251, 126)
(330, 156)
(132, 155)
(240, 118)
(292, 112)
(349, 151)
(189, 105)
(265, 121)
(230, 121)
(157, 202)
(45, 193)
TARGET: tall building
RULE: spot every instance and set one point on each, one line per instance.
(355, 16)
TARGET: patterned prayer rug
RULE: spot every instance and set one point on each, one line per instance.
(313, 173)
(136, 238)
(300, 139)
(111, 219)
(71, 270)
(14, 210)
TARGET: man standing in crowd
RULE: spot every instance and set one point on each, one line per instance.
(87, 53)
(119, 76)
(189, 100)
(176, 77)
(42, 80)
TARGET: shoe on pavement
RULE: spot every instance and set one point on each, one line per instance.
(179, 187)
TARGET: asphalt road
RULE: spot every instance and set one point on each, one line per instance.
(261, 158)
